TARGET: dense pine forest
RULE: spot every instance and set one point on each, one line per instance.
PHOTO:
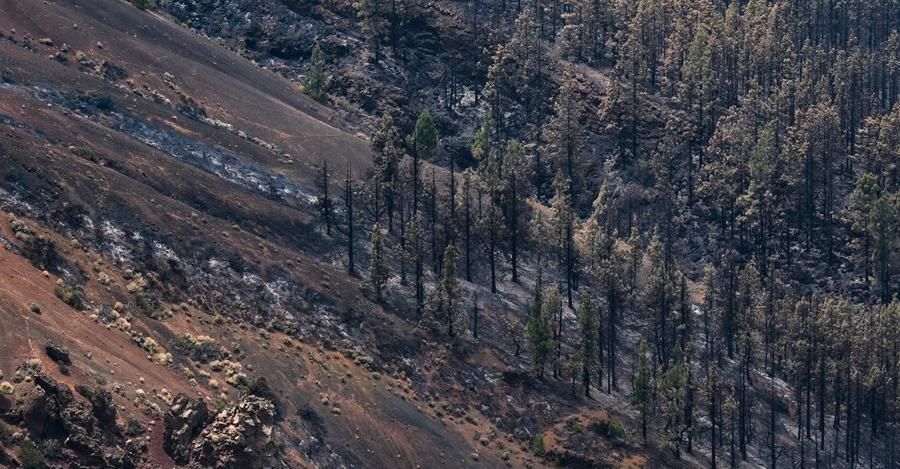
(719, 177)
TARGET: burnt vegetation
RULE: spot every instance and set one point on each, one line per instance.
(717, 177)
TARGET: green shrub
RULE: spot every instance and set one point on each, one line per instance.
(538, 447)
(615, 430)
(84, 152)
(149, 305)
(144, 4)
(30, 456)
(84, 390)
(69, 295)
(220, 404)
(203, 349)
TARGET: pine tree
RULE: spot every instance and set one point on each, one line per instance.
(673, 394)
(553, 314)
(444, 301)
(607, 267)
(884, 233)
(537, 334)
(587, 322)
(490, 217)
(658, 299)
(513, 329)
(315, 78)
(378, 270)
(324, 204)
(425, 138)
(642, 394)
(816, 138)
(414, 235)
(468, 220)
(373, 23)
(433, 216)
(481, 142)
(565, 135)
(349, 210)
(711, 317)
(697, 89)
(712, 391)
(423, 144)
(859, 214)
(516, 76)
(564, 226)
(518, 176)
(609, 274)
(388, 154)
(634, 260)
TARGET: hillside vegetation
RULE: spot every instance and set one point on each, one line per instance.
(424, 233)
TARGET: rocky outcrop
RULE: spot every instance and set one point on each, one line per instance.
(102, 406)
(42, 409)
(241, 436)
(88, 432)
(184, 421)
(58, 353)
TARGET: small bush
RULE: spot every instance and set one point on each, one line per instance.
(144, 4)
(203, 349)
(220, 404)
(30, 456)
(7, 388)
(69, 295)
(149, 305)
(84, 152)
(84, 390)
(35, 308)
(538, 447)
(608, 428)
(615, 430)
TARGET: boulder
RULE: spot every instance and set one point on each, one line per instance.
(58, 353)
(184, 421)
(104, 408)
